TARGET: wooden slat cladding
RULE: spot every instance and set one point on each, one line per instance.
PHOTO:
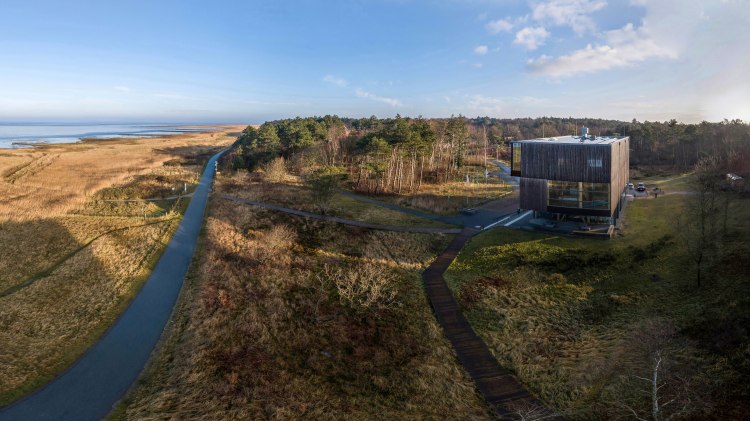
(533, 194)
(577, 162)
(620, 171)
(566, 162)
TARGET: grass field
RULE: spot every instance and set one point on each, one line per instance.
(70, 261)
(449, 198)
(569, 316)
(293, 193)
(285, 317)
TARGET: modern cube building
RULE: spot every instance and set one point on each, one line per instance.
(573, 175)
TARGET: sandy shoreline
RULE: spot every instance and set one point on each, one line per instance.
(42, 140)
(54, 178)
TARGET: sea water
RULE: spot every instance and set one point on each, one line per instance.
(27, 135)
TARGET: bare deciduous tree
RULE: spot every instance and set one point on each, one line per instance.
(661, 389)
(700, 227)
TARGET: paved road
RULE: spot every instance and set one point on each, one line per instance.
(89, 388)
(505, 172)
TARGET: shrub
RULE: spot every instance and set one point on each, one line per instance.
(275, 171)
(362, 287)
(324, 183)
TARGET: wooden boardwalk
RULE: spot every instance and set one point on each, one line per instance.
(499, 387)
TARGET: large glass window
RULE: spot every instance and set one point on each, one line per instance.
(562, 193)
(595, 196)
(568, 194)
(515, 164)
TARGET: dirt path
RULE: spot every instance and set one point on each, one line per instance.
(483, 216)
(391, 206)
(425, 230)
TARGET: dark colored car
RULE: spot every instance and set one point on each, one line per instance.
(641, 187)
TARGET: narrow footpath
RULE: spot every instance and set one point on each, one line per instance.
(498, 386)
(93, 384)
(397, 228)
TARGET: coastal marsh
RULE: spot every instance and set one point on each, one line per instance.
(72, 252)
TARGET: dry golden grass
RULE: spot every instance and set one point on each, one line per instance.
(70, 262)
(51, 181)
(292, 192)
(46, 325)
(449, 198)
(263, 329)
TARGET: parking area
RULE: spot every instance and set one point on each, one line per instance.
(643, 191)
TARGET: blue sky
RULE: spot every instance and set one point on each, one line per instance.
(249, 61)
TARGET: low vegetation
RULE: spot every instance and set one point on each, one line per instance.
(294, 192)
(287, 317)
(76, 243)
(588, 324)
(451, 197)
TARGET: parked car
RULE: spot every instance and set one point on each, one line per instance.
(630, 186)
(641, 187)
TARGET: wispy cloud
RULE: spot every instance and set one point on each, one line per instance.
(500, 25)
(490, 105)
(121, 88)
(572, 13)
(624, 47)
(341, 83)
(486, 104)
(481, 50)
(531, 38)
(393, 102)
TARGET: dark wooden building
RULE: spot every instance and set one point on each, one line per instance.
(572, 175)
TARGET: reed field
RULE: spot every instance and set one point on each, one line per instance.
(286, 317)
(73, 252)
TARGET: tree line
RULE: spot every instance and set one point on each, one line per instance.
(397, 155)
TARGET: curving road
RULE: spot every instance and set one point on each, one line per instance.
(93, 384)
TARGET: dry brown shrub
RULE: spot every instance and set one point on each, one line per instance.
(363, 286)
(289, 345)
(275, 171)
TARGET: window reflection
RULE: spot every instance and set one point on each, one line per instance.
(569, 194)
(515, 165)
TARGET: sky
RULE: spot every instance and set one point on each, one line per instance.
(252, 61)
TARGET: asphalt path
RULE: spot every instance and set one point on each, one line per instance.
(92, 385)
